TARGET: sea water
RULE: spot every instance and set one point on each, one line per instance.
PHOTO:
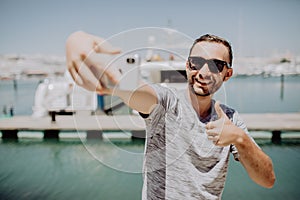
(37, 169)
(81, 169)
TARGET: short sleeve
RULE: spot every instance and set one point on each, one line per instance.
(237, 120)
(166, 98)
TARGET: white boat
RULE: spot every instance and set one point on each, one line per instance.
(62, 95)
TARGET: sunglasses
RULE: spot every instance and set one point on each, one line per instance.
(214, 65)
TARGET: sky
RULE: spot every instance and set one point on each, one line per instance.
(254, 28)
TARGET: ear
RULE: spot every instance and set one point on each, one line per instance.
(187, 65)
(228, 74)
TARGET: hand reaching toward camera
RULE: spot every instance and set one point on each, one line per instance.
(86, 64)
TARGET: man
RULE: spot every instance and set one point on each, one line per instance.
(189, 135)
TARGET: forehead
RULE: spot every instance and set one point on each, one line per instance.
(210, 50)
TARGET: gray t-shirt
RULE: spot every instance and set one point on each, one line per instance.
(180, 162)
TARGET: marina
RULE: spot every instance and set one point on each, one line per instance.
(60, 142)
(89, 155)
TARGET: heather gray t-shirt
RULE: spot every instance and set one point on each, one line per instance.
(180, 162)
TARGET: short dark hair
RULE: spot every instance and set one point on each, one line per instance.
(216, 39)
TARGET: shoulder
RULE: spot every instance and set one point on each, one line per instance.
(167, 99)
(162, 90)
(166, 96)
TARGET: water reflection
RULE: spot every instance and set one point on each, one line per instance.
(38, 169)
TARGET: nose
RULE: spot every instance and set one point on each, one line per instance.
(204, 71)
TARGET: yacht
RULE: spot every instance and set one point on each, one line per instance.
(63, 96)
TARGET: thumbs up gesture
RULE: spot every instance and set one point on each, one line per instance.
(221, 132)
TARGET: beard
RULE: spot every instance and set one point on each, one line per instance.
(203, 93)
(204, 90)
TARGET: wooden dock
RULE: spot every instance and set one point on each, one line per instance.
(275, 123)
(94, 125)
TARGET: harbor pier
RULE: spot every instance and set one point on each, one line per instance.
(94, 125)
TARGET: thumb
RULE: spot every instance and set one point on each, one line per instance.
(102, 46)
(219, 110)
(108, 49)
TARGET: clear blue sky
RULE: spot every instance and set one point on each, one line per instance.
(257, 27)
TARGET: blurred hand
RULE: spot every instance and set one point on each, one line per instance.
(84, 56)
(222, 131)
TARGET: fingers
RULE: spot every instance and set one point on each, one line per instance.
(215, 140)
(83, 76)
(213, 131)
(218, 131)
(74, 74)
(213, 136)
(93, 72)
(214, 128)
(101, 66)
(113, 74)
(210, 125)
(88, 70)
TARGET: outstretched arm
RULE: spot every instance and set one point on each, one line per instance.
(86, 63)
(257, 164)
(142, 99)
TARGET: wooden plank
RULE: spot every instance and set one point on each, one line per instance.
(272, 121)
(255, 122)
(76, 122)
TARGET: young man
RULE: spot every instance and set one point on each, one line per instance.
(189, 135)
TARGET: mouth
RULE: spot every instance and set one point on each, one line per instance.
(202, 83)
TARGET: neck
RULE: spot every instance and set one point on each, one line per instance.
(201, 104)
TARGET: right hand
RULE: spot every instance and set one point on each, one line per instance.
(85, 64)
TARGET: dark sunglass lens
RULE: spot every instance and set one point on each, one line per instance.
(199, 62)
(219, 65)
(212, 66)
(196, 63)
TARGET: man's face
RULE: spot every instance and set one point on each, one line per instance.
(203, 82)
